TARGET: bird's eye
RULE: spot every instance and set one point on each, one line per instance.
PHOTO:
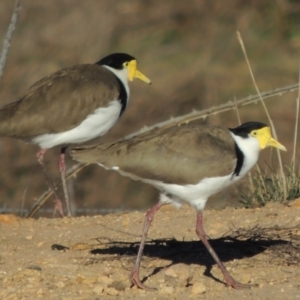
(254, 133)
(126, 64)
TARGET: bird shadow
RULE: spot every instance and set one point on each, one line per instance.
(193, 252)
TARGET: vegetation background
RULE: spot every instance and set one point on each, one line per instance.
(190, 51)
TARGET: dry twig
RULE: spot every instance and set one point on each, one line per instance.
(267, 113)
(8, 37)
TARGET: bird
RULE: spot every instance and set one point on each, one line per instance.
(71, 106)
(187, 164)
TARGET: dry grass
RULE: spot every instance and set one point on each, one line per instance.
(268, 187)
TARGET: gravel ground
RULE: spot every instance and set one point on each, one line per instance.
(91, 257)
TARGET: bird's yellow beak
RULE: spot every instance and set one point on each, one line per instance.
(133, 72)
(265, 139)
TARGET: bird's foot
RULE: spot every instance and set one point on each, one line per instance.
(134, 278)
(238, 285)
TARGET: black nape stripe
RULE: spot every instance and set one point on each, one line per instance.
(240, 160)
(123, 97)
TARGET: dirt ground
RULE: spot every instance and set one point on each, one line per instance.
(259, 246)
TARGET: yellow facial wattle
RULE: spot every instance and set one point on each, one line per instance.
(265, 138)
(133, 72)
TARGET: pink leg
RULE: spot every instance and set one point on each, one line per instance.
(58, 205)
(134, 275)
(228, 278)
(62, 169)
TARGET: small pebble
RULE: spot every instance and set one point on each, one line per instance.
(198, 288)
(178, 275)
(105, 279)
(98, 289)
(60, 284)
(111, 291)
(89, 280)
(169, 290)
(39, 292)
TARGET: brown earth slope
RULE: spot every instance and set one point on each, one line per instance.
(257, 245)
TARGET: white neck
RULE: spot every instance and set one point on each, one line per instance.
(122, 75)
(250, 148)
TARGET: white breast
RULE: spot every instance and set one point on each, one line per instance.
(95, 125)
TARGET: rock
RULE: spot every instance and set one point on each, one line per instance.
(40, 292)
(178, 275)
(89, 280)
(40, 244)
(12, 297)
(9, 219)
(80, 246)
(198, 288)
(105, 280)
(169, 290)
(294, 203)
(98, 289)
(245, 278)
(171, 272)
(118, 285)
(34, 267)
(111, 291)
(60, 284)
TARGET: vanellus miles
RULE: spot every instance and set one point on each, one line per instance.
(71, 106)
(187, 164)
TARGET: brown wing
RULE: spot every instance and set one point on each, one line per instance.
(182, 155)
(59, 102)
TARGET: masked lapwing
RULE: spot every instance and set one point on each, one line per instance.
(71, 106)
(187, 164)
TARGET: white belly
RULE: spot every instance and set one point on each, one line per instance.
(195, 195)
(95, 125)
